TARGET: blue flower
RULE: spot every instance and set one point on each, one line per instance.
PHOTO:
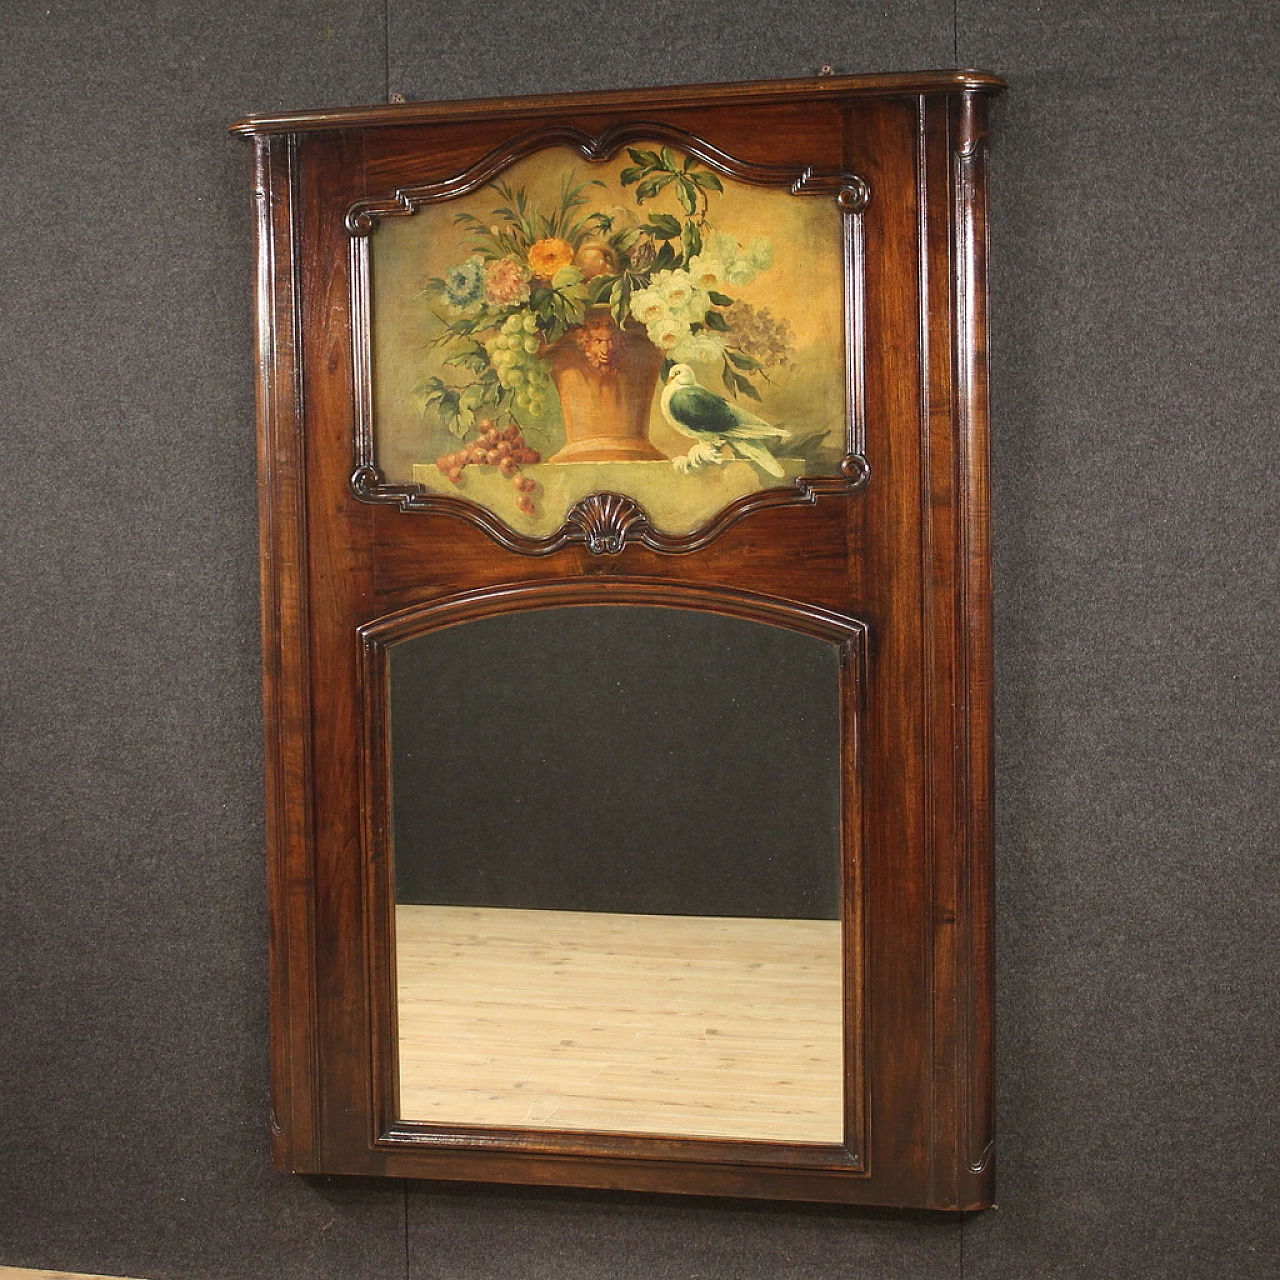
(464, 283)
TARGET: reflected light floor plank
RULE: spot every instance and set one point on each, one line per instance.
(25, 1273)
(701, 1025)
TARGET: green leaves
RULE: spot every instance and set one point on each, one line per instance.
(461, 326)
(521, 228)
(562, 223)
(666, 260)
(620, 300)
(470, 355)
(566, 278)
(514, 226)
(598, 289)
(654, 171)
(662, 226)
(691, 239)
(563, 304)
(456, 406)
(736, 384)
(615, 293)
(650, 187)
(624, 240)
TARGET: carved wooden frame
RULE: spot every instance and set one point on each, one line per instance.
(889, 559)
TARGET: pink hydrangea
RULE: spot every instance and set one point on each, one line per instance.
(506, 281)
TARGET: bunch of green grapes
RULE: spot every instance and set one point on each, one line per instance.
(514, 354)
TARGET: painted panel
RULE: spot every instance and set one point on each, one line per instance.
(643, 325)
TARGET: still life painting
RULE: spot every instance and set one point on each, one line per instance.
(644, 326)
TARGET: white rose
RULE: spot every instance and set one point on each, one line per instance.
(704, 348)
(720, 244)
(676, 287)
(706, 271)
(696, 307)
(668, 332)
(649, 306)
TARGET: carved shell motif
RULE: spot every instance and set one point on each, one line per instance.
(605, 519)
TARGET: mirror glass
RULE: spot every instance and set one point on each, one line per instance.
(617, 861)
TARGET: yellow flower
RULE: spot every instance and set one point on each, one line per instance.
(549, 256)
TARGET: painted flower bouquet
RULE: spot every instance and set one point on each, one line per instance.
(599, 302)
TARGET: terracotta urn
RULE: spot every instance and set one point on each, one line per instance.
(606, 378)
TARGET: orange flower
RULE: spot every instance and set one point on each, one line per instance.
(549, 256)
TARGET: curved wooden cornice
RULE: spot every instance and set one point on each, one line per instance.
(851, 191)
(745, 93)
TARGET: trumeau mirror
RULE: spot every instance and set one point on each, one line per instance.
(627, 635)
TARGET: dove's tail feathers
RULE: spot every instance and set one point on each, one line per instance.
(755, 429)
(761, 457)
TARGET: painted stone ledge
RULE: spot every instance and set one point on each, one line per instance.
(558, 487)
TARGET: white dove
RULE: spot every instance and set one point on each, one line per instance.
(712, 422)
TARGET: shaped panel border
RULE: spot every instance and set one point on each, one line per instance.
(603, 522)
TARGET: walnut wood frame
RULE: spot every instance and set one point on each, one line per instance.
(889, 560)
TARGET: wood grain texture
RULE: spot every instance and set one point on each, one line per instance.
(286, 674)
(706, 1025)
(894, 567)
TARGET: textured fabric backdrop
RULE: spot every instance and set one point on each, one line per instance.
(1135, 285)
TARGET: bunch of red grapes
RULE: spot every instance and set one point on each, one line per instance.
(507, 450)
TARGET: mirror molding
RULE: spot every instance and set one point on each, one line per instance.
(889, 559)
(848, 634)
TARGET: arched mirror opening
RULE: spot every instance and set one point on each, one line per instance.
(617, 848)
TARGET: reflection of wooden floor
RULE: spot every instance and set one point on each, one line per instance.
(655, 1024)
(23, 1273)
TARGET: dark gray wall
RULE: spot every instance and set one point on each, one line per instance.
(1135, 286)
